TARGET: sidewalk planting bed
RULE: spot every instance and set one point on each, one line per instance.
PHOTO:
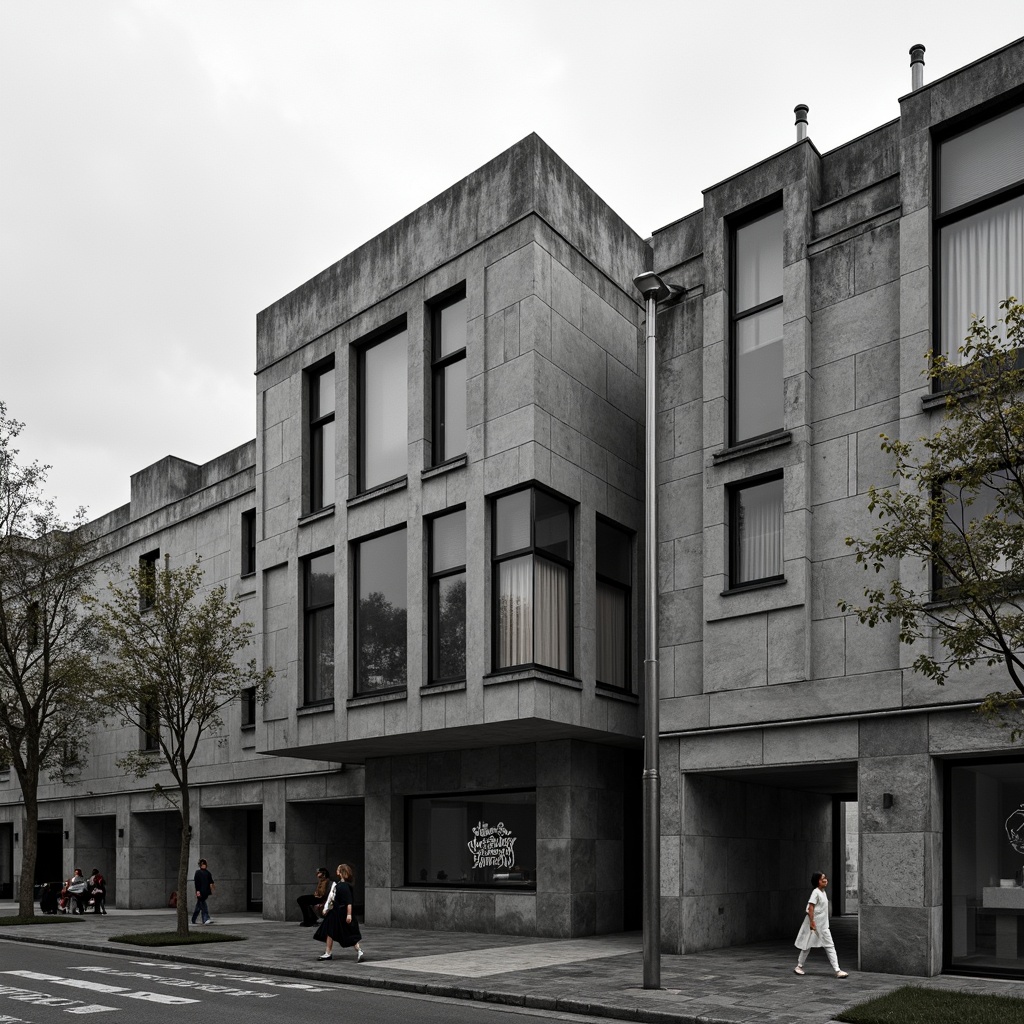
(912, 1005)
(174, 939)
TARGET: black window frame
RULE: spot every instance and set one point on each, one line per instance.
(438, 364)
(147, 579)
(356, 552)
(733, 492)
(309, 612)
(372, 341)
(248, 542)
(744, 218)
(247, 700)
(532, 550)
(149, 732)
(629, 538)
(316, 423)
(433, 601)
(952, 129)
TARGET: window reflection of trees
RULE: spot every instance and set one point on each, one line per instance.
(382, 643)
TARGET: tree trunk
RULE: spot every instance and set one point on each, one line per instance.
(29, 851)
(186, 891)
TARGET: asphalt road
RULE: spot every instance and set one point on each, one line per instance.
(45, 985)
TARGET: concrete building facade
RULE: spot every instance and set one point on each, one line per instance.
(436, 534)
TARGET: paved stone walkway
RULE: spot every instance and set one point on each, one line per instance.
(600, 976)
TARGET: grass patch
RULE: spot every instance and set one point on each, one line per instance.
(39, 919)
(912, 1005)
(174, 939)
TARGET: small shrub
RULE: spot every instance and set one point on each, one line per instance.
(174, 939)
(912, 1005)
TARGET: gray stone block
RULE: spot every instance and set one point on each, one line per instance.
(897, 943)
(908, 777)
(832, 275)
(877, 260)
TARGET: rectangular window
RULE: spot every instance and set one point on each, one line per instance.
(614, 560)
(319, 628)
(382, 584)
(980, 222)
(248, 701)
(448, 597)
(756, 364)
(149, 738)
(249, 542)
(383, 400)
(533, 563)
(756, 532)
(984, 834)
(449, 372)
(321, 438)
(147, 579)
(476, 840)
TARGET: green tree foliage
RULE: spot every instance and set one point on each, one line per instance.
(47, 642)
(175, 660)
(382, 643)
(957, 508)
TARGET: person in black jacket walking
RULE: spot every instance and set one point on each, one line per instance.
(339, 925)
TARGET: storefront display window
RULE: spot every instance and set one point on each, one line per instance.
(985, 833)
(479, 840)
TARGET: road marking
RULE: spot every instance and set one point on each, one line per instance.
(249, 979)
(223, 990)
(26, 995)
(95, 986)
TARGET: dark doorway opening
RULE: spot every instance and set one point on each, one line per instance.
(50, 852)
(254, 859)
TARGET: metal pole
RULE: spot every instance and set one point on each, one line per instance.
(652, 781)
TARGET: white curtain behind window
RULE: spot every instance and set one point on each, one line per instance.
(982, 263)
(552, 622)
(515, 612)
(611, 635)
(760, 527)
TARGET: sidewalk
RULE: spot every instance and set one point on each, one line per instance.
(601, 976)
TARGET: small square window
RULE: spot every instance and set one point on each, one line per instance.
(756, 521)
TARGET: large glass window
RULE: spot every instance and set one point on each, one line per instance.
(448, 596)
(985, 837)
(449, 372)
(381, 610)
(383, 400)
(321, 439)
(614, 559)
(475, 840)
(756, 400)
(319, 616)
(981, 224)
(533, 559)
(756, 532)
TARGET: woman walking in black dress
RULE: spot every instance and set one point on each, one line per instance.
(338, 924)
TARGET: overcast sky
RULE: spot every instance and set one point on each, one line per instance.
(169, 168)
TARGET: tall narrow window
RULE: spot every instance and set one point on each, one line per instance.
(147, 579)
(449, 369)
(149, 738)
(448, 597)
(383, 400)
(382, 579)
(614, 560)
(319, 616)
(533, 562)
(248, 702)
(249, 542)
(756, 530)
(981, 224)
(757, 328)
(321, 439)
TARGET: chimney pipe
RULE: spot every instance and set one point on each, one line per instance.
(916, 66)
(801, 110)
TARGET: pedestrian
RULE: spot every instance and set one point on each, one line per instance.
(311, 904)
(815, 931)
(77, 889)
(98, 892)
(339, 925)
(204, 890)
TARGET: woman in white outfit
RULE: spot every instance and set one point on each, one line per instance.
(815, 930)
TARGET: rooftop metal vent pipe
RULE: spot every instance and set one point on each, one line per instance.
(916, 66)
(801, 110)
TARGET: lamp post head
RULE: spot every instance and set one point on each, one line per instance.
(651, 286)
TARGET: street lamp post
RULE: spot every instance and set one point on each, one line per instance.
(654, 290)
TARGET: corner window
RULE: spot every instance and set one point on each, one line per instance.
(614, 560)
(449, 375)
(475, 840)
(756, 532)
(756, 364)
(980, 223)
(448, 597)
(147, 579)
(382, 583)
(383, 400)
(249, 542)
(321, 439)
(532, 578)
(318, 611)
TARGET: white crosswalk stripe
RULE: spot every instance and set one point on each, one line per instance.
(95, 986)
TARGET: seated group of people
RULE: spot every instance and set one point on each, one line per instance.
(312, 904)
(80, 894)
